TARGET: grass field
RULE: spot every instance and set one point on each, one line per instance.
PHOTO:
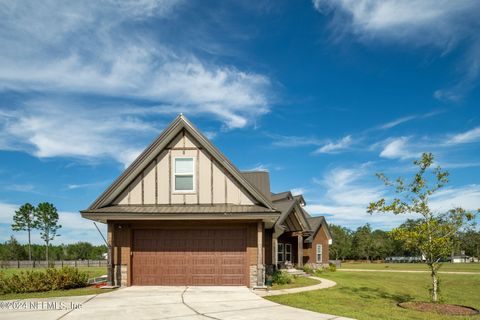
(467, 267)
(366, 295)
(54, 293)
(299, 282)
(92, 271)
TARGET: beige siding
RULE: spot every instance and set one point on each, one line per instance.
(149, 180)
(224, 188)
(163, 182)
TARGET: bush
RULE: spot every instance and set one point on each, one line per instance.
(37, 281)
(308, 269)
(282, 277)
(332, 267)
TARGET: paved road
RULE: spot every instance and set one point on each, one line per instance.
(182, 303)
(407, 271)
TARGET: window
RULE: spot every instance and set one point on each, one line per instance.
(184, 174)
(319, 253)
(288, 252)
(280, 252)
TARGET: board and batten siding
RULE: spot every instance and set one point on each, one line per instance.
(213, 185)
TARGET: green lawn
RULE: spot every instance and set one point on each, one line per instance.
(54, 293)
(468, 267)
(299, 282)
(92, 271)
(366, 295)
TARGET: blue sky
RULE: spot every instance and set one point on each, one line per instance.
(322, 94)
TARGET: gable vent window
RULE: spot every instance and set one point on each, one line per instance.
(184, 174)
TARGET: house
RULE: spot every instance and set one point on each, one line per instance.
(183, 214)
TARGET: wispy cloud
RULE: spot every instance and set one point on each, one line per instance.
(294, 141)
(398, 148)
(21, 187)
(336, 146)
(74, 186)
(442, 24)
(298, 191)
(73, 52)
(469, 136)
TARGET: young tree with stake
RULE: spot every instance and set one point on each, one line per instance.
(24, 220)
(47, 218)
(433, 233)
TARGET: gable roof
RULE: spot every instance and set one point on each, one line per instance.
(316, 223)
(141, 162)
(287, 207)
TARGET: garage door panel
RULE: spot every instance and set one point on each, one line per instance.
(189, 257)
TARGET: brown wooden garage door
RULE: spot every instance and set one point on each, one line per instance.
(189, 257)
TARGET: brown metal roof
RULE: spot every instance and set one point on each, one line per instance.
(179, 208)
(315, 224)
(287, 195)
(260, 180)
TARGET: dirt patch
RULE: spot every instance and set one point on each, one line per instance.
(448, 309)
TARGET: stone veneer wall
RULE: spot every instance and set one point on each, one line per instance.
(120, 275)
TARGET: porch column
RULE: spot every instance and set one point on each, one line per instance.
(300, 250)
(260, 267)
(110, 233)
(274, 251)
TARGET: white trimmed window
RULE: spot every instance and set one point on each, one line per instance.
(280, 252)
(184, 174)
(288, 252)
(319, 253)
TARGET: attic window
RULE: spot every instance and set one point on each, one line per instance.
(184, 174)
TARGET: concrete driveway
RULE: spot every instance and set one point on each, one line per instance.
(141, 303)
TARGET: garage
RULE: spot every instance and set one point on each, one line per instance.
(189, 257)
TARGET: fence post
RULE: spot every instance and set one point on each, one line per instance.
(88, 262)
(75, 263)
(18, 264)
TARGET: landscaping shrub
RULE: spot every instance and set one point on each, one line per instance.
(37, 281)
(332, 267)
(308, 269)
(282, 277)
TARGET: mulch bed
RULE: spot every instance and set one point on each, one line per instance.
(447, 309)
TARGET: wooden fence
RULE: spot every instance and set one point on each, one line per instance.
(56, 264)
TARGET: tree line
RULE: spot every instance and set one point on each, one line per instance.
(364, 243)
(13, 250)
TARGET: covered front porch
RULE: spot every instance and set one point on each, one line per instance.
(289, 250)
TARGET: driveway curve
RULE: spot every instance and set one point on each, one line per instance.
(182, 303)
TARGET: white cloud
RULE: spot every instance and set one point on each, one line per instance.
(294, 141)
(472, 135)
(397, 148)
(348, 191)
(333, 147)
(467, 197)
(53, 129)
(89, 49)
(258, 167)
(443, 24)
(298, 191)
(397, 122)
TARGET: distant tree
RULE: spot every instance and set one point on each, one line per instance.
(469, 241)
(47, 218)
(433, 234)
(80, 251)
(362, 242)
(342, 242)
(24, 220)
(382, 244)
(12, 250)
